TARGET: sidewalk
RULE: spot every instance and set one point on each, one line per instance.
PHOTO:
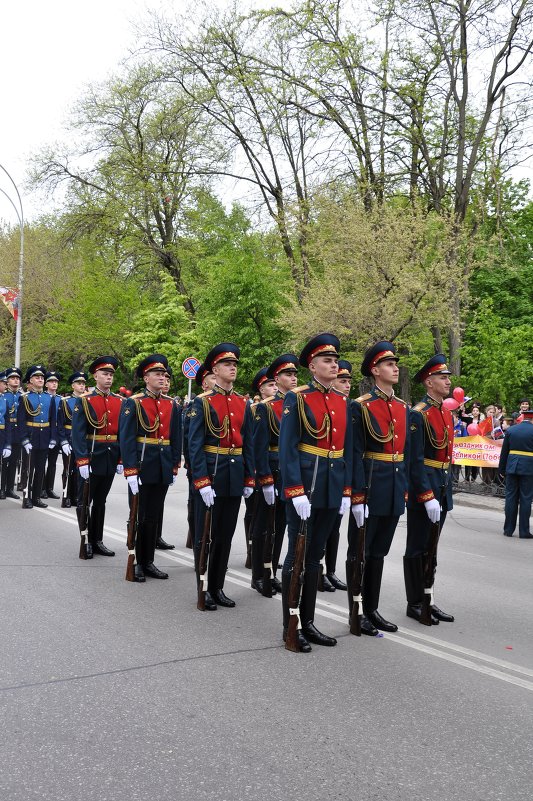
(479, 501)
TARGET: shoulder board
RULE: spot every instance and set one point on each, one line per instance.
(266, 401)
(137, 395)
(362, 398)
(238, 394)
(202, 394)
(400, 400)
(420, 406)
(166, 397)
(23, 394)
(300, 389)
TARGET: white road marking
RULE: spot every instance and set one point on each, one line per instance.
(431, 646)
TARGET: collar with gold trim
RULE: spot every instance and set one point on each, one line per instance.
(315, 383)
(433, 402)
(222, 391)
(103, 394)
(150, 394)
(383, 395)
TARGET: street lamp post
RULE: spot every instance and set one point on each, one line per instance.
(20, 217)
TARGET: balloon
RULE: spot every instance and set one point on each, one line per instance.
(122, 390)
(472, 429)
(450, 404)
(459, 394)
(128, 393)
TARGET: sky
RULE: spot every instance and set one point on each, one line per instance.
(48, 53)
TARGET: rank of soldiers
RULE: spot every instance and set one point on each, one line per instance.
(300, 456)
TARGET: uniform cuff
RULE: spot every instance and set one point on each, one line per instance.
(82, 462)
(358, 497)
(425, 496)
(266, 481)
(294, 492)
(131, 471)
(249, 481)
(202, 482)
(347, 492)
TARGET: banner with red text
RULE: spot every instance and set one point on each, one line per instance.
(476, 451)
(10, 296)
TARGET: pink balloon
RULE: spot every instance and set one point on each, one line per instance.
(450, 403)
(459, 394)
(473, 429)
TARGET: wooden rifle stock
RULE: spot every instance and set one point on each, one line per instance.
(295, 588)
(298, 577)
(83, 520)
(358, 566)
(204, 560)
(268, 547)
(132, 536)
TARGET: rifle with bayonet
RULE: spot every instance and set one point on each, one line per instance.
(133, 523)
(83, 514)
(298, 578)
(203, 562)
(355, 568)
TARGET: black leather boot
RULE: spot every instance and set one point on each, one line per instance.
(307, 612)
(413, 572)
(371, 589)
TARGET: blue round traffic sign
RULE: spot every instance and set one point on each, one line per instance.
(190, 366)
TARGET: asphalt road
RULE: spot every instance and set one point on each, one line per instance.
(115, 691)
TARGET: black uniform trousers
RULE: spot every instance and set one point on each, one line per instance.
(379, 535)
(332, 546)
(37, 464)
(9, 468)
(518, 493)
(225, 513)
(419, 530)
(98, 491)
(150, 520)
(259, 530)
(50, 476)
(70, 475)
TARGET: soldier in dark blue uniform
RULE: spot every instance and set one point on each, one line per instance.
(380, 440)
(221, 459)
(330, 581)
(160, 542)
(205, 380)
(95, 442)
(5, 432)
(264, 389)
(315, 435)
(10, 464)
(78, 382)
(516, 464)
(283, 373)
(38, 430)
(150, 441)
(51, 383)
(430, 479)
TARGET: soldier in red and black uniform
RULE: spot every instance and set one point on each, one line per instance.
(380, 439)
(150, 442)
(95, 421)
(430, 479)
(221, 460)
(278, 379)
(315, 435)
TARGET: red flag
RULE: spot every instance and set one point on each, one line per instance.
(485, 427)
(10, 296)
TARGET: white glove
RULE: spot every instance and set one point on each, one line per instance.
(345, 505)
(67, 450)
(28, 447)
(302, 506)
(360, 512)
(174, 479)
(133, 484)
(269, 494)
(52, 444)
(84, 472)
(6, 453)
(120, 469)
(208, 496)
(433, 510)
(247, 491)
